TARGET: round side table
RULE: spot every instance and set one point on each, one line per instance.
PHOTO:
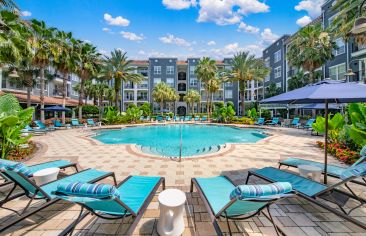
(171, 222)
(45, 176)
(314, 172)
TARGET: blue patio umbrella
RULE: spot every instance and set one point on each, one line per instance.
(326, 91)
(321, 106)
(57, 108)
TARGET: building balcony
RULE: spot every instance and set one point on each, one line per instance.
(129, 98)
(59, 93)
(359, 50)
(128, 86)
(142, 86)
(142, 98)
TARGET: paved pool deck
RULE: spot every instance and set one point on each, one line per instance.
(294, 216)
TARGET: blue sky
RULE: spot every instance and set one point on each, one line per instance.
(178, 28)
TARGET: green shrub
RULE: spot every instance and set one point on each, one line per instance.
(89, 110)
(146, 109)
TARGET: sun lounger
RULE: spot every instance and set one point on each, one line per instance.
(129, 198)
(75, 123)
(35, 131)
(57, 124)
(224, 199)
(204, 119)
(313, 191)
(308, 124)
(90, 122)
(42, 126)
(275, 121)
(260, 121)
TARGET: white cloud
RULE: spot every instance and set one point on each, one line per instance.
(179, 4)
(248, 28)
(268, 36)
(118, 21)
(226, 12)
(303, 21)
(231, 49)
(106, 29)
(312, 7)
(132, 36)
(141, 52)
(171, 39)
(211, 43)
(26, 13)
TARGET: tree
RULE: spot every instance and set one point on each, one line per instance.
(43, 48)
(298, 80)
(212, 86)
(66, 60)
(8, 4)
(146, 109)
(192, 97)
(348, 12)
(245, 67)
(27, 71)
(310, 48)
(88, 66)
(118, 67)
(205, 71)
(163, 93)
(273, 90)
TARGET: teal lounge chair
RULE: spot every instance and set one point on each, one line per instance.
(62, 164)
(90, 122)
(36, 131)
(142, 118)
(308, 124)
(260, 121)
(167, 118)
(274, 121)
(159, 119)
(295, 122)
(188, 118)
(75, 123)
(42, 126)
(148, 119)
(196, 118)
(58, 124)
(332, 170)
(19, 175)
(204, 119)
(176, 118)
(181, 118)
(223, 198)
(129, 198)
(338, 193)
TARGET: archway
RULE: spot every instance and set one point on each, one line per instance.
(182, 76)
(181, 111)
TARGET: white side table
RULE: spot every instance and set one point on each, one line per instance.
(45, 176)
(171, 222)
(314, 172)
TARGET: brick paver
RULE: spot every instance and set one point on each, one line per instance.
(294, 216)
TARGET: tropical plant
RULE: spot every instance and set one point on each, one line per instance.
(146, 109)
(299, 80)
(252, 113)
(348, 12)
(191, 98)
(163, 93)
(12, 120)
(134, 114)
(118, 67)
(245, 67)
(206, 71)
(43, 49)
(224, 113)
(88, 66)
(335, 125)
(357, 129)
(272, 90)
(310, 48)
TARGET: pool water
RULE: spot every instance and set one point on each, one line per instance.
(164, 140)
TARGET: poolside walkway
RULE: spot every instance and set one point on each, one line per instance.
(294, 216)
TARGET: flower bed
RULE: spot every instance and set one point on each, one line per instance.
(341, 152)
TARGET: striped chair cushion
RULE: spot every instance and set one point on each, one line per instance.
(354, 171)
(78, 189)
(20, 168)
(6, 163)
(363, 151)
(242, 192)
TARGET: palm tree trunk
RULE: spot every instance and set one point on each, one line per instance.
(242, 99)
(207, 105)
(64, 94)
(29, 102)
(41, 93)
(81, 95)
(162, 107)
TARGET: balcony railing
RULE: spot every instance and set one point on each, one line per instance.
(128, 86)
(60, 93)
(142, 86)
(129, 98)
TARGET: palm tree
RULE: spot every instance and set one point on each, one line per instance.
(43, 48)
(310, 48)
(27, 72)
(245, 67)
(191, 98)
(348, 12)
(118, 67)
(110, 95)
(66, 60)
(272, 90)
(161, 94)
(212, 86)
(205, 71)
(87, 67)
(173, 96)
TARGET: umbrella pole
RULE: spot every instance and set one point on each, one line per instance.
(326, 142)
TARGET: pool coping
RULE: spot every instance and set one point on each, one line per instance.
(133, 150)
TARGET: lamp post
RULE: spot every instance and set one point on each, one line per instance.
(14, 74)
(349, 74)
(359, 26)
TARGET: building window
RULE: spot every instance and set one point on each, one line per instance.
(193, 81)
(277, 56)
(157, 81)
(279, 85)
(229, 94)
(266, 62)
(229, 84)
(143, 84)
(337, 72)
(170, 70)
(341, 48)
(170, 82)
(191, 70)
(157, 70)
(277, 72)
(38, 85)
(74, 93)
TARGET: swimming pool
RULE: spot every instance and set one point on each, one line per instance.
(164, 140)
